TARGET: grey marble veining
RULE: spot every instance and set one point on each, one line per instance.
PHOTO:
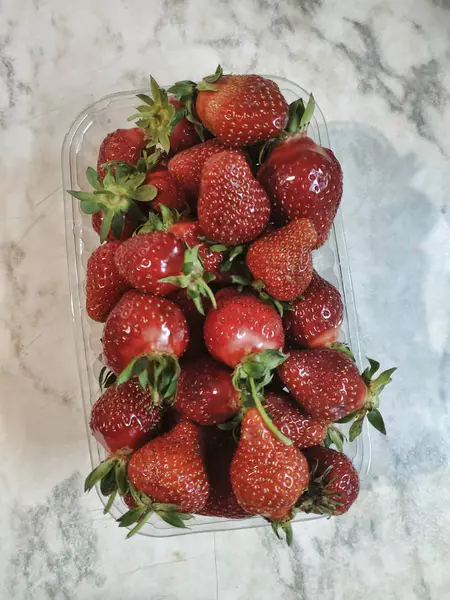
(380, 71)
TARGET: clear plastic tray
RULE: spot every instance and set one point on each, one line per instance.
(79, 151)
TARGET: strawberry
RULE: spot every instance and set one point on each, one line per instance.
(115, 196)
(315, 319)
(327, 384)
(233, 208)
(122, 420)
(267, 476)
(293, 422)
(205, 392)
(124, 145)
(164, 121)
(220, 448)
(170, 193)
(334, 483)
(129, 225)
(143, 337)
(187, 166)
(168, 477)
(282, 260)
(303, 179)
(242, 109)
(192, 234)
(104, 284)
(145, 259)
(195, 320)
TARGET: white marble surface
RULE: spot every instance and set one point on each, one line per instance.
(381, 73)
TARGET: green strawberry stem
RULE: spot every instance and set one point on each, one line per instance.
(267, 420)
(286, 527)
(157, 372)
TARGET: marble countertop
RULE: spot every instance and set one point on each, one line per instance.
(381, 72)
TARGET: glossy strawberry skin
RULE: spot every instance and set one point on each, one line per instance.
(233, 208)
(195, 320)
(282, 260)
(242, 325)
(170, 194)
(325, 382)
(187, 165)
(128, 228)
(342, 482)
(293, 422)
(220, 448)
(205, 392)
(146, 258)
(314, 320)
(104, 284)
(183, 135)
(143, 324)
(303, 180)
(267, 476)
(124, 418)
(243, 110)
(170, 469)
(191, 233)
(123, 144)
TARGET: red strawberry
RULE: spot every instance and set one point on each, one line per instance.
(233, 208)
(187, 166)
(243, 109)
(164, 122)
(315, 319)
(122, 419)
(282, 259)
(104, 284)
(303, 179)
(169, 192)
(293, 422)
(195, 321)
(240, 326)
(129, 225)
(327, 384)
(191, 233)
(145, 259)
(170, 469)
(220, 448)
(124, 145)
(205, 392)
(267, 476)
(143, 336)
(227, 292)
(334, 484)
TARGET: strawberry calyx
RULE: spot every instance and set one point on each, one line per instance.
(285, 526)
(195, 279)
(115, 196)
(372, 402)
(112, 476)
(250, 378)
(244, 281)
(157, 372)
(334, 437)
(318, 498)
(144, 507)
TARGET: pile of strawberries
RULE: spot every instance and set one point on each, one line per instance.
(223, 377)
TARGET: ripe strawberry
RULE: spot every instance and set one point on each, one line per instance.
(170, 469)
(195, 320)
(205, 392)
(164, 121)
(327, 384)
(227, 292)
(124, 145)
(143, 336)
(293, 422)
(315, 319)
(170, 193)
(233, 208)
(220, 448)
(191, 233)
(242, 109)
(303, 179)
(267, 476)
(104, 284)
(282, 260)
(187, 166)
(129, 225)
(334, 483)
(145, 259)
(122, 419)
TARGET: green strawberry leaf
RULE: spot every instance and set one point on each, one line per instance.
(93, 178)
(356, 427)
(146, 193)
(98, 473)
(376, 420)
